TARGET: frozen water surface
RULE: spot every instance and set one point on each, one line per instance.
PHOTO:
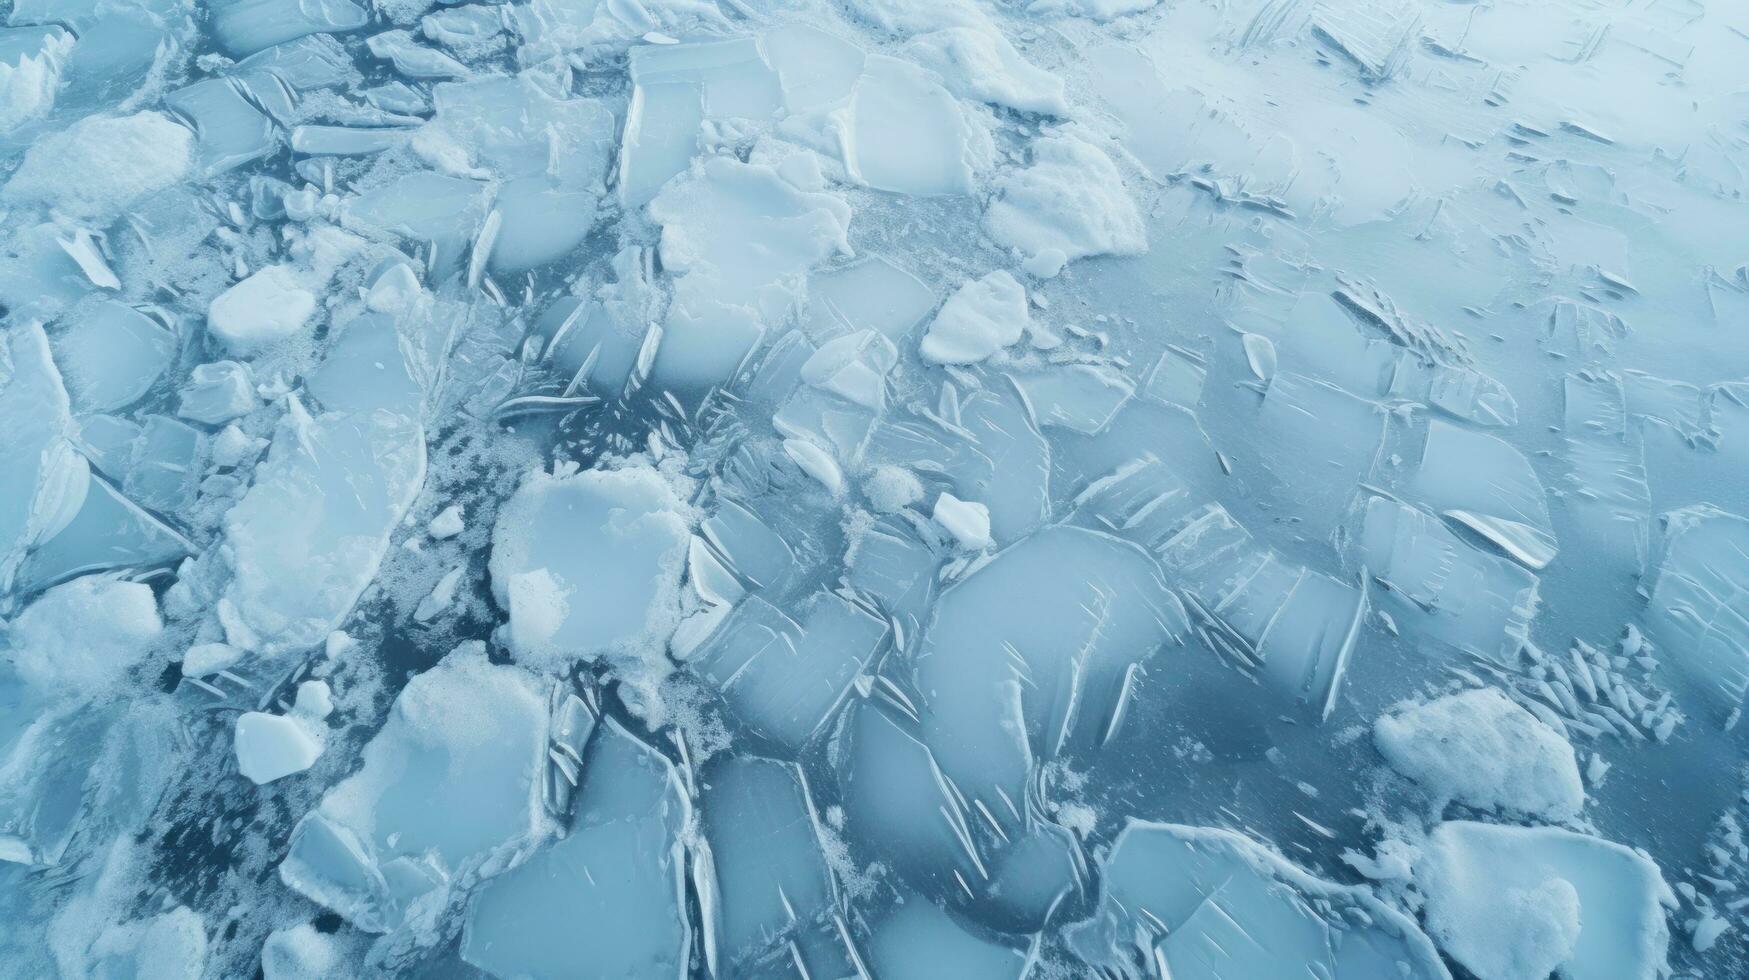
(1229, 489)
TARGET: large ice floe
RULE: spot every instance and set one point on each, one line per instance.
(879, 489)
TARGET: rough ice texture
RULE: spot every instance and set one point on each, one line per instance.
(100, 165)
(1482, 750)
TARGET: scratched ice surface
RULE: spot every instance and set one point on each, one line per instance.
(1192, 489)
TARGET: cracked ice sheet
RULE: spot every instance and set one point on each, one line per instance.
(868, 487)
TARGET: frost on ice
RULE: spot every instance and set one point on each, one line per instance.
(874, 488)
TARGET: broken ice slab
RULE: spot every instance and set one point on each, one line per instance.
(217, 392)
(1323, 341)
(676, 89)
(1293, 627)
(741, 240)
(306, 539)
(784, 676)
(243, 27)
(613, 888)
(1482, 483)
(905, 133)
(111, 354)
(588, 565)
(43, 777)
(367, 368)
(1507, 901)
(45, 476)
(230, 129)
(1027, 660)
(1699, 607)
(108, 531)
(895, 566)
(1438, 587)
(771, 885)
(1318, 441)
(447, 783)
(749, 547)
(425, 207)
(873, 294)
(918, 939)
(1080, 398)
(1203, 904)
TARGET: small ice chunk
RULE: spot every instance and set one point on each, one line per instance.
(1070, 198)
(271, 747)
(982, 317)
(314, 700)
(101, 164)
(447, 524)
(1501, 901)
(267, 308)
(30, 78)
(1260, 356)
(441, 596)
(82, 636)
(209, 658)
(589, 564)
(1481, 749)
(968, 522)
(218, 392)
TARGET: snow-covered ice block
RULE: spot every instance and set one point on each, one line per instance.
(306, 539)
(1070, 198)
(783, 677)
(300, 953)
(979, 63)
(1516, 902)
(613, 888)
(588, 565)
(271, 747)
(449, 780)
(1208, 903)
(1480, 749)
(244, 27)
(1700, 600)
(101, 164)
(82, 637)
(268, 308)
(980, 318)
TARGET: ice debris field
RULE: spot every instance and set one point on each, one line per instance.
(966, 489)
